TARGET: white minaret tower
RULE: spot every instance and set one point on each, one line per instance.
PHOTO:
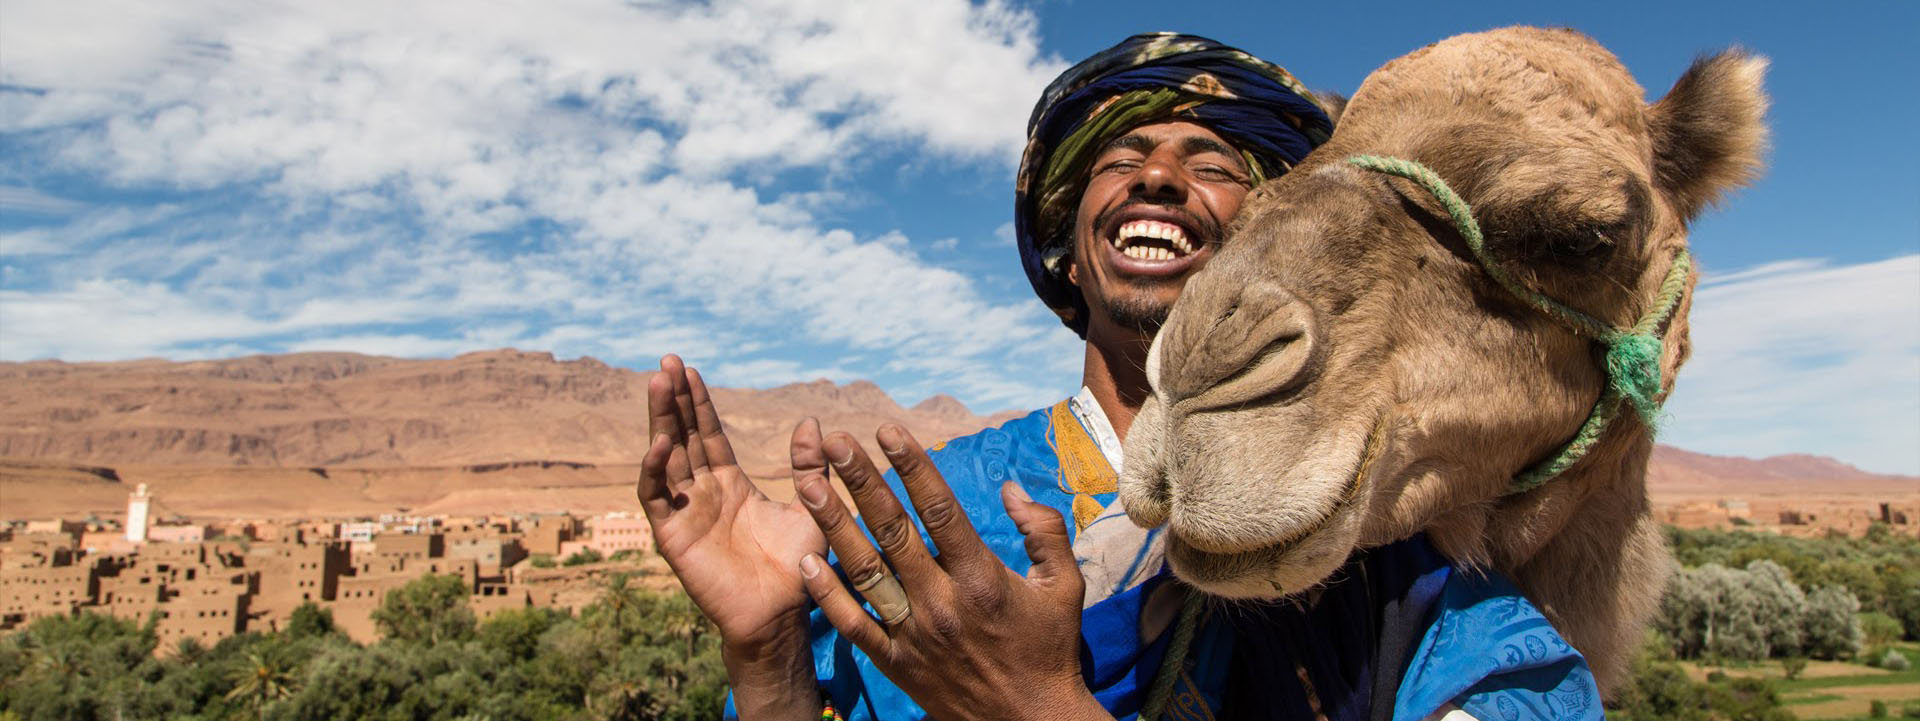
(137, 512)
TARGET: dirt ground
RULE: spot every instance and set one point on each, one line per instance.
(1857, 701)
(1815, 669)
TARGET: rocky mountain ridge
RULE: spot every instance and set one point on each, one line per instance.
(344, 409)
(309, 410)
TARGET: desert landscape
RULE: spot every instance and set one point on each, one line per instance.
(345, 435)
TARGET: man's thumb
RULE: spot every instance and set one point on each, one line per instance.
(1048, 547)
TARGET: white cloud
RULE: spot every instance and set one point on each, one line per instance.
(1802, 356)
(406, 345)
(770, 372)
(99, 319)
(1006, 233)
(33, 202)
(580, 176)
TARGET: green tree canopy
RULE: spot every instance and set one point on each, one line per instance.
(429, 609)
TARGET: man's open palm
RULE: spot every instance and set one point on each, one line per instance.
(736, 551)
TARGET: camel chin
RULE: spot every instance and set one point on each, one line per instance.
(1222, 544)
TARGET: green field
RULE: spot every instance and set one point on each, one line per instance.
(1834, 689)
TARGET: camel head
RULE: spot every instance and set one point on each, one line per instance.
(1346, 372)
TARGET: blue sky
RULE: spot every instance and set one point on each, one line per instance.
(790, 190)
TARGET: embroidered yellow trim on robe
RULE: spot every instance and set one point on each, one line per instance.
(1084, 471)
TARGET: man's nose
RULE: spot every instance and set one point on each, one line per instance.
(1160, 178)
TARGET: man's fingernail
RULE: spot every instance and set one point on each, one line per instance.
(1019, 493)
(810, 565)
(839, 451)
(813, 492)
(892, 440)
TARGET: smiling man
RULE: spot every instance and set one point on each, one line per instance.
(1137, 159)
(1153, 210)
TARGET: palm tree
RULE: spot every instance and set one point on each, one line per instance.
(261, 681)
(621, 600)
(61, 661)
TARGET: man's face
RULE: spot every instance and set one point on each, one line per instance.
(1153, 212)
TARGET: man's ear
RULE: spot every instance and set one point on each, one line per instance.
(1334, 103)
(1073, 270)
(1709, 132)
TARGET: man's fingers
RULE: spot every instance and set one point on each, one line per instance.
(663, 416)
(664, 420)
(1047, 543)
(656, 495)
(841, 610)
(676, 373)
(707, 420)
(892, 529)
(857, 556)
(809, 457)
(961, 551)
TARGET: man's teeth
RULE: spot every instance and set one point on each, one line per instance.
(1138, 229)
(1144, 253)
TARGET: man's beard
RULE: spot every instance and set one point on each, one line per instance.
(1139, 312)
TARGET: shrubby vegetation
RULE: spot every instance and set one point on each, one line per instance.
(1743, 597)
(632, 654)
(1880, 571)
(583, 557)
(635, 654)
(1661, 690)
(1716, 612)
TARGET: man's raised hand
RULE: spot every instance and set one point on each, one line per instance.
(962, 634)
(736, 551)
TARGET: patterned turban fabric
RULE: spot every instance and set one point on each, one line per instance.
(1254, 105)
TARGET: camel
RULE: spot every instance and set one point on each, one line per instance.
(1350, 370)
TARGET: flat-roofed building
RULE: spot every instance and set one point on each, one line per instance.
(205, 612)
(546, 533)
(291, 574)
(620, 531)
(106, 542)
(181, 533)
(58, 526)
(413, 546)
(492, 554)
(29, 594)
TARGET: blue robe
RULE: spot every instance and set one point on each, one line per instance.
(1394, 636)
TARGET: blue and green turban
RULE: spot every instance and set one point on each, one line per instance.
(1256, 106)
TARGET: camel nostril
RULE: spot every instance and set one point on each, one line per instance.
(1149, 504)
(1240, 341)
(1144, 485)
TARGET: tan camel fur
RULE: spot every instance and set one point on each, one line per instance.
(1343, 374)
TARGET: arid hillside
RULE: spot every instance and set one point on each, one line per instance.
(344, 434)
(347, 410)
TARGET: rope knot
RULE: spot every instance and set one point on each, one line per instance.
(1633, 367)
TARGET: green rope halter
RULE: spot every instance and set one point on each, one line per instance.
(1172, 664)
(1633, 354)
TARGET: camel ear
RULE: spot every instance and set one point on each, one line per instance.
(1709, 131)
(1333, 103)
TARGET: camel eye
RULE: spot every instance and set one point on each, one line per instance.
(1582, 242)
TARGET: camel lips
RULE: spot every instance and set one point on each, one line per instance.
(1152, 240)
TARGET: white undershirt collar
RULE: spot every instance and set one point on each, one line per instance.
(1094, 418)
